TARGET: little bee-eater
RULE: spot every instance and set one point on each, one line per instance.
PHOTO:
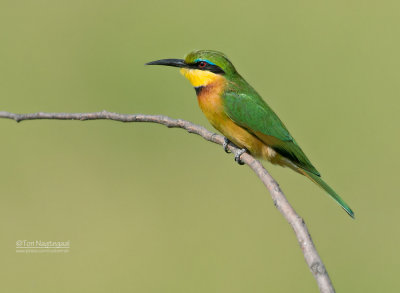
(235, 109)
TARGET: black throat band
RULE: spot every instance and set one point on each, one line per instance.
(198, 89)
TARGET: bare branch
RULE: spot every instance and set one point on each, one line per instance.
(311, 256)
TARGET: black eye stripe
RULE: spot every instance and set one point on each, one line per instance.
(208, 67)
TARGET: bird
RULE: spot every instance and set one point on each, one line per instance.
(235, 109)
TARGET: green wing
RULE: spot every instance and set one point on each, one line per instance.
(253, 114)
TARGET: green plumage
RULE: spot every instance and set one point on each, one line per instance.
(244, 117)
(331, 192)
(252, 113)
(246, 108)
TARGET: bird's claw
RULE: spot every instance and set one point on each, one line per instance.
(225, 145)
(237, 156)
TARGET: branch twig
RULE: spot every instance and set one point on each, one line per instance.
(311, 256)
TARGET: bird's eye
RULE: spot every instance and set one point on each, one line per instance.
(202, 64)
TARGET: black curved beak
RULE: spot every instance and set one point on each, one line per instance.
(169, 62)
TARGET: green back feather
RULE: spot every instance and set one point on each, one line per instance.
(249, 110)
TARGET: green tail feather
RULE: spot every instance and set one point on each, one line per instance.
(318, 180)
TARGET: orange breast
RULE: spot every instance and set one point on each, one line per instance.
(210, 102)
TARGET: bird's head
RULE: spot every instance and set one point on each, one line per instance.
(201, 67)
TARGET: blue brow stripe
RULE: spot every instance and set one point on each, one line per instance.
(209, 62)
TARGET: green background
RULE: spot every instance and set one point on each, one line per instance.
(151, 209)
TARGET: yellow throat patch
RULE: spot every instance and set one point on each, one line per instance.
(199, 77)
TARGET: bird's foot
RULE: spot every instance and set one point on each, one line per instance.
(225, 145)
(238, 154)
